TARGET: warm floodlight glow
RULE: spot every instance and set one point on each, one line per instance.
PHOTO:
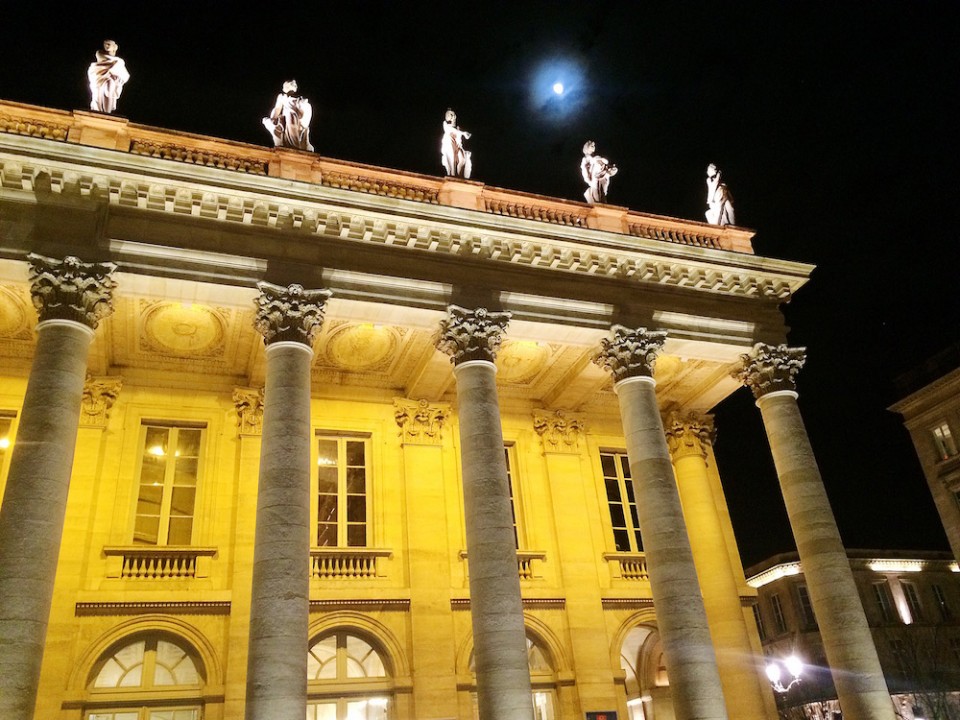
(4, 443)
(379, 702)
(558, 88)
(794, 665)
(896, 565)
(773, 673)
(156, 450)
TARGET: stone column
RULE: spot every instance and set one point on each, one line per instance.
(472, 339)
(748, 693)
(288, 318)
(681, 618)
(771, 372)
(71, 298)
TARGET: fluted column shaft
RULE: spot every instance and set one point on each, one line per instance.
(35, 499)
(499, 637)
(280, 595)
(748, 694)
(847, 642)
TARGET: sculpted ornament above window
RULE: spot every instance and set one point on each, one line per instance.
(419, 421)
(71, 289)
(249, 404)
(472, 334)
(771, 368)
(630, 352)
(689, 434)
(99, 394)
(558, 431)
(289, 314)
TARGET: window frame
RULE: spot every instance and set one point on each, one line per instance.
(805, 604)
(911, 594)
(758, 619)
(779, 619)
(631, 519)
(344, 689)
(342, 437)
(883, 601)
(944, 441)
(943, 606)
(513, 487)
(7, 452)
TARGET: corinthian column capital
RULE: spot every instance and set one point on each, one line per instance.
(71, 289)
(771, 368)
(689, 434)
(472, 334)
(631, 352)
(289, 314)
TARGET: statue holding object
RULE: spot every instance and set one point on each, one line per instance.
(289, 122)
(719, 199)
(107, 77)
(456, 160)
(596, 172)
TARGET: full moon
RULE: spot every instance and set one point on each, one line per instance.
(558, 88)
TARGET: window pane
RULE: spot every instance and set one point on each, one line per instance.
(181, 531)
(152, 470)
(185, 472)
(322, 659)
(356, 480)
(147, 530)
(622, 540)
(149, 500)
(372, 709)
(176, 661)
(327, 508)
(608, 464)
(625, 466)
(181, 501)
(322, 711)
(327, 479)
(188, 442)
(356, 508)
(327, 453)
(355, 453)
(125, 715)
(326, 535)
(613, 489)
(5, 439)
(356, 535)
(156, 443)
(365, 662)
(617, 517)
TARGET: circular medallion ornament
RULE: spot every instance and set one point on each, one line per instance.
(13, 316)
(361, 347)
(519, 361)
(180, 329)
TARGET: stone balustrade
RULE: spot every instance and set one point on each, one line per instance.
(157, 562)
(627, 565)
(354, 563)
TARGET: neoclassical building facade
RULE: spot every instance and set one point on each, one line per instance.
(286, 437)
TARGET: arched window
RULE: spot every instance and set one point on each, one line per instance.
(158, 670)
(347, 679)
(647, 684)
(543, 681)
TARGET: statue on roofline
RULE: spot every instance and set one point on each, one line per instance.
(456, 161)
(289, 121)
(719, 199)
(596, 172)
(107, 77)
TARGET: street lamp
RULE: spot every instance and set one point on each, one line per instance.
(775, 674)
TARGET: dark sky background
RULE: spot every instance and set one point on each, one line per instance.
(832, 123)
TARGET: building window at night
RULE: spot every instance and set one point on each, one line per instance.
(913, 600)
(759, 620)
(778, 620)
(347, 678)
(881, 594)
(508, 453)
(169, 469)
(806, 608)
(621, 502)
(6, 441)
(946, 446)
(343, 479)
(899, 652)
(152, 678)
(942, 606)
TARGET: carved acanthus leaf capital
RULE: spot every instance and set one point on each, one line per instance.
(769, 368)
(472, 334)
(289, 314)
(558, 431)
(420, 421)
(249, 404)
(630, 352)
(689, 434)
(99, 394)
(71, 289)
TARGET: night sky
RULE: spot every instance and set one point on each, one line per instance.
(832, 123)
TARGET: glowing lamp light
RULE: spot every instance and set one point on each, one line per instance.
(773, 673)
(156, 450)
(4, 443)
(378, 702)
(558, 88)
(792, 664)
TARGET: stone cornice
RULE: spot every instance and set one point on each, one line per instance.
(272, 204)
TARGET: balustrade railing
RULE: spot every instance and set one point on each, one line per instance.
(627, 566)
(157, 563)
(347, 563)
(528, 562)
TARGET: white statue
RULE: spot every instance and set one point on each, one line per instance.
(289, 122)
(596, 172)
(456, 161)
(719, 199)
(107, 76)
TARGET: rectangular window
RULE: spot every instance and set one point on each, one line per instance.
(881, 593)
(913, 600)
(946, 446)
(759, 620)
(621, 502)
(942, 606)
(6, 442)
(778, 619)
(167, 494)
(806, 607)
(343, 478)
(899, 652)
(514, 508)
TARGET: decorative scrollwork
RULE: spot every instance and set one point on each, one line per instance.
(558, 431)
(99, 394)
(289, 314)
(472, 334)
(71, 289)
(419, 421)
(689, 434)
(771, 368)
(249, 404)
(630, 352)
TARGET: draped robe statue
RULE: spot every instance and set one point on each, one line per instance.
(719, 199)
(456, 161)
(289, 122)
(107, 76)
(596, 172)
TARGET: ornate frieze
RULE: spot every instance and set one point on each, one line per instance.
(71, 289)
(420, 421)
(99, 394)
(770, 368)
(249, 404)
(558, 431)
(471, 334)
(630, 352)
(289, 314)
(689, 434)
